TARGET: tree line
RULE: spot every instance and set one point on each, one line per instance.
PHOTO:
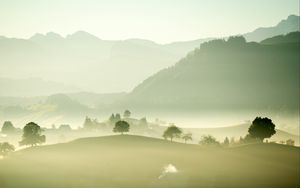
(260, 129)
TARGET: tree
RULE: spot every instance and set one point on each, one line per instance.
(249, 139)
(121, 127)
(208, 140)
(232, 141)
(88, 123)
(112, 119)
(143, 122)
(32, 135)
(172, 132)
(117, 117)
(290, 142)
(8, 127)
(262, 128)
(226, 141)
(187, 136)
(236, 40)
(64, 128)
(6, 148)
(126, 114)
(53, 127)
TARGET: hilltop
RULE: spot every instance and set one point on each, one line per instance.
(135, 161)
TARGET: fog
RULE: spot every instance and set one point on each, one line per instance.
(94, 96)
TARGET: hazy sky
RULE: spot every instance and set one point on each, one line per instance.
(158, 20)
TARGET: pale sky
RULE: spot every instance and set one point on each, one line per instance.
(158, 20)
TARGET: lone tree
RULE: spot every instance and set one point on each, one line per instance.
(121, 127)
(186, 137)
(8, 127)
(127, 114)
(32, 135)
(262, 128)
(6, 148)
(172, 132)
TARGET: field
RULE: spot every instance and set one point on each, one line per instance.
(129, 161)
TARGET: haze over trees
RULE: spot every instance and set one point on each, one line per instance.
(6, 148)
(134, 113)
(208, 140)
(32, 135)
(8, 127)
(226, 141)
(64, 128)
(127, 114)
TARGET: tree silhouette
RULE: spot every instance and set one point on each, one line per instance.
(143, 122)
(262, 128)
(248, 139)
(88, 123)
(172, 132)
(121, 127)
(226, 141)
(208, 140)
(32, 135)
(8, 128)
(186, 137)
(117, 117)
(290, 142)
(127, 114)
(112, 119)
(6, 148)
(64, 128)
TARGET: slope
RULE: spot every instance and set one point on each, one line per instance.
(133, 161)
(230, 74)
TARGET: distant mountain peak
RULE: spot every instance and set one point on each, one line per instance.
(292, 20)
(82, 35)
(53, 35)
(290, 24)
(37, 36)
(292, 16)
(48, 36)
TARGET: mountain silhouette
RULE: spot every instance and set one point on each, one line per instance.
(283, 27)
(232, 74)
(91, 63)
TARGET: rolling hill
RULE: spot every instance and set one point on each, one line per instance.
(134, 161)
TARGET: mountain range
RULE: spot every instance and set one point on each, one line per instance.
(84, 62)
(228, 74)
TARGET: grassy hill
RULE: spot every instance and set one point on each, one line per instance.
(135, 161)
